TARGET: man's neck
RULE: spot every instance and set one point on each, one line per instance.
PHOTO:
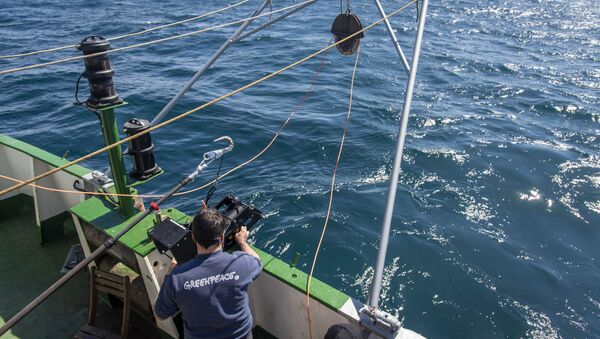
(208, 250)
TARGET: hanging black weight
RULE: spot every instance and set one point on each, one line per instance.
(343, 26)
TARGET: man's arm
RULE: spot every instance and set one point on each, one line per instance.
(241, 237)
(166, 306)
(173, 264)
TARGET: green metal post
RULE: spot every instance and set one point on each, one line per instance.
(115, 157)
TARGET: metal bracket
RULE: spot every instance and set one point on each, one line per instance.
(104, 108)
(93, 181)
(379, 322)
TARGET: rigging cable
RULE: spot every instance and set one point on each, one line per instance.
(173, 37)
(81, 103)
(198, 108)
(331, 190)
(296, 109)
(213, 188)
(55, 49)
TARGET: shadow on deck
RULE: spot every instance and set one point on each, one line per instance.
(28, 268)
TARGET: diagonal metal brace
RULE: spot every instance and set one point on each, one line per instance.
(272, 21)
(390, 30)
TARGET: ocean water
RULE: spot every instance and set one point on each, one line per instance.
(496, 228)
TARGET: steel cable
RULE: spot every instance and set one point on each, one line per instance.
(331, 190)
(194, 110)
(55, 49)
(152, 42)
(218, 177)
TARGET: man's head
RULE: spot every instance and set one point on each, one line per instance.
(208, 227)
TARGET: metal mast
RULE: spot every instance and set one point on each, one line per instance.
(391, 197)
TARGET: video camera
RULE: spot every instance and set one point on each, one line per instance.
(168, 235)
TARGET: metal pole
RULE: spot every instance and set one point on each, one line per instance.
(99, 251)
(391, 198)
(393, 36)
(206, 65)
(207, 159)
(115, 157)
(270, 22)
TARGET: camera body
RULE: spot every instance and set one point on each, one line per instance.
(169, 235)
(238, 214)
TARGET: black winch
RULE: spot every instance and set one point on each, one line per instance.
(99, 72)
(141, 149)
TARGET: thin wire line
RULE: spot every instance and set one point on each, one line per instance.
(55, 49)
(178, 22)
(125, 48)
(194, 110)
(213, 188)
(297, 108)
(331, 190)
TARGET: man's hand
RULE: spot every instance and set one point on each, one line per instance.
(172, 266)
(241, 237)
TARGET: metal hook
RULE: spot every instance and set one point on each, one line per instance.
(229, 140)
(213, 155)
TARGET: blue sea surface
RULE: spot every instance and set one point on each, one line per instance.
(496, 228)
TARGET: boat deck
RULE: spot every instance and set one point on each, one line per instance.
(28, 268)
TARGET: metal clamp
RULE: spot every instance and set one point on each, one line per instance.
(212, 156)
(379, 322)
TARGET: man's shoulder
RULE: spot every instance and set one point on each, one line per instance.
(243, 255)
(185, 267)
(220, 256)
(246, 258)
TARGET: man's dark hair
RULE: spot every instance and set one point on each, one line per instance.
(207, 227)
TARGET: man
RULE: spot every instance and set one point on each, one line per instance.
(211, 290)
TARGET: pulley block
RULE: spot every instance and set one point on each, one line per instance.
(343, 26)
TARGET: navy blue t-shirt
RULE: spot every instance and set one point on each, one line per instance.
(211, 292)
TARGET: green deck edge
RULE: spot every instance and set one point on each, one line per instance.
(105, 216)
(42, 155)
(325, 294)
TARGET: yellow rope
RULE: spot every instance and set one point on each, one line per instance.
(79, 57)
(261, 152)
(130, 34)
(331, 189)
(225, 96)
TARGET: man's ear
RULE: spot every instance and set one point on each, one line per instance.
(194, 236)
(222, 238)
